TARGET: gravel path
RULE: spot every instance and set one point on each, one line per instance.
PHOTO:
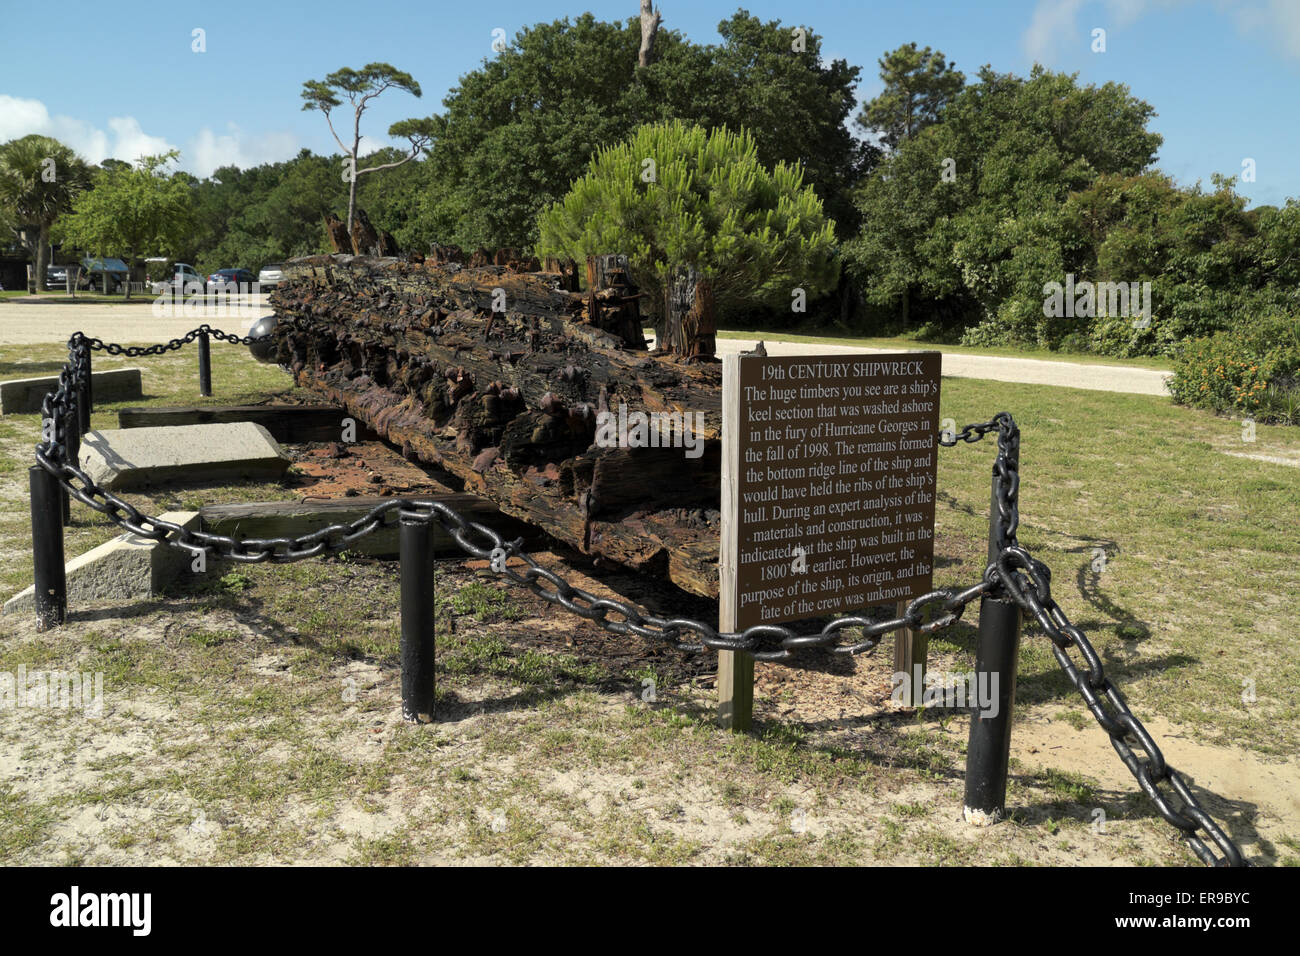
(1102, 378)
(24, 323)
(54, 321)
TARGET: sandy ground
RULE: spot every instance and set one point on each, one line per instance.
(605, 796)
(54, 321)
(1257, 799)
(1103, 378)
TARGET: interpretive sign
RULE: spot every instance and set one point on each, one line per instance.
(828, 483)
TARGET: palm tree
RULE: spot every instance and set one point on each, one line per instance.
(39, 178)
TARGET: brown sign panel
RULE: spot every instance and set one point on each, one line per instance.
(828, 484)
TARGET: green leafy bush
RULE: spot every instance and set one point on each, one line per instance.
(676, 194)
(1252, 368)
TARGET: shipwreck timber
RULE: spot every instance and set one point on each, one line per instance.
(499, 377)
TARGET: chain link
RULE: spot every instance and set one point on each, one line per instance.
(1027, 581)
(1015, 575)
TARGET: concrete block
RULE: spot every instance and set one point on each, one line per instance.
(125, 569)
(139, 457)
(23, 396)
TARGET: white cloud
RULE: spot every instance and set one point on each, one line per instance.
(1278, 19)
(1054, 26)
(209, 151)
(130, 142)
(1053, 22)
(124, 139)
(370, 144)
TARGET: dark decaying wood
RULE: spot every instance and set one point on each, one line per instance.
(613, 302)
(565, 271)
(690, 329)
(507, 401)
(337, 231)
(441, 255)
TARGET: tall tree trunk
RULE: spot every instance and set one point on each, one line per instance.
(649, 27)
(42, 255)
(846, 297)
(356, 159)
(352, 192)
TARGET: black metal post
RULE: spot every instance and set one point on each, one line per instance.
(988, 752)
(205, 364)
(415, 544)
(73, 441)
(85, 400)
(51, 584)
(72, 450)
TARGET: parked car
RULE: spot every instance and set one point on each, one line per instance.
(56, 277)
(94, 271)
(231, 280)
(185, 280)
(271, 274)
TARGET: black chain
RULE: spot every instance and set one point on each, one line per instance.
(1015, 575)
(135, 351)
(1028, 582)
(766, 642)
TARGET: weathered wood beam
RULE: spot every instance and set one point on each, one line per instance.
(499, 378)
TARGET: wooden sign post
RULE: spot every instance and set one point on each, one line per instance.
(828, 489)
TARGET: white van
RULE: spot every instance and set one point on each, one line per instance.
(185, 280)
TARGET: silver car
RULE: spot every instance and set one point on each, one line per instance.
(271, 274)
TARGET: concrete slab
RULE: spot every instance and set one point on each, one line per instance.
(127, 568)
(23, 396)
(139, 457)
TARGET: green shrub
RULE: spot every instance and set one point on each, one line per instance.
(675, 194)
(1252, 368)
(1281, 405)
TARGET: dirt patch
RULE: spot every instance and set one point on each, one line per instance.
(236, 730)
(338, 470)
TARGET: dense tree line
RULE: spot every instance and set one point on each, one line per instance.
(983, 194)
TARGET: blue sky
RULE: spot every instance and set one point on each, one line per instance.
(1223, 75)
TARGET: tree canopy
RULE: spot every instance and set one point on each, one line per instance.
(360, 87)
(39, 180)
(132, 211)
(674, 195)
(919, 83)
(989, 189)
(517, 132)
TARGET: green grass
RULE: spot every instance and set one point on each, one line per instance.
(1203, 565)
(1198, 589)
(903, 342)
(484, 602)
(95, 298)
(169, 379)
